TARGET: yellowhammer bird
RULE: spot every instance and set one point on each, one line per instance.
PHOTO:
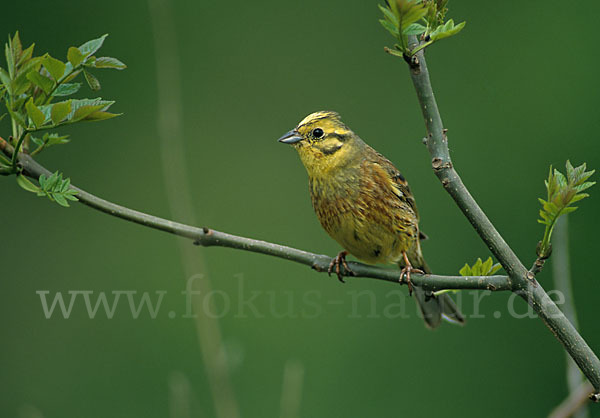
(365, 204)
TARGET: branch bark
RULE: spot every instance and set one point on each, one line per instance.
(523, 282)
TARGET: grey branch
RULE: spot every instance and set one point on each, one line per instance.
(523, 282)
(211, 238)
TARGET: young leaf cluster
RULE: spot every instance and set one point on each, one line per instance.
(480, 268)
(35, 90)
(54, 187)
(425, 18)
(562, 192)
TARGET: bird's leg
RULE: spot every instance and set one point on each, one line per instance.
(337, 260)
(406, 270)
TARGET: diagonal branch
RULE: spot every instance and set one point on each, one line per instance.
(212, 238)
(523, 282)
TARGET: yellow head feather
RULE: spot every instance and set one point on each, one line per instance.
(325, 143)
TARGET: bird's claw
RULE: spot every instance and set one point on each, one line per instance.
(406, 271)
(337, 260)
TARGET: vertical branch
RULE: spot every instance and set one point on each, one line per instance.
(523, 281)
(562, 282)
(170, 133)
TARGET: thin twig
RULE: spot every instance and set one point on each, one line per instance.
(210, 237)
(523, 282)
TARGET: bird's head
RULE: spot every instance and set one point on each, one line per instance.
(323, 142)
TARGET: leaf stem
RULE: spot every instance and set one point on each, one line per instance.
(15, 156)
(59, 82)
(420, 47)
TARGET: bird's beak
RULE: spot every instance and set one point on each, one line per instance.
(290, 137)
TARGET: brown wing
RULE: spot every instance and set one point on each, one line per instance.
(399, 184)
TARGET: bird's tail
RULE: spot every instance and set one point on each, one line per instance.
(434, 308)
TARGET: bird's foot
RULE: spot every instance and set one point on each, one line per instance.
(406, 271)
(335, 263)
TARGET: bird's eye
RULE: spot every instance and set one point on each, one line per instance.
(318, 132)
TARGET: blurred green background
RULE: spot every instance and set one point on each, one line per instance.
(518, 92)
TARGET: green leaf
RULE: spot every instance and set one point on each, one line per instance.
(90, 47)
(570, 172)
(495, 268)
(60, 199)
(72, 73)
(37, 141)
(55, 139)
(21, 83)
(81, 108)
(55, 67)
(447, 30)
(35, 114)
(414, 29)
(101, 115)
(41, 81)
(57, 189)
(91, 80)
(109, 62)
(487, 265)
(75, 56)
(26, 184)
(85, 111)
(10, 59)
(60, 111)
(562, 192)
(409, 12)
(389, 15)
(389, 27)
(480, 268)
(66, 89)
(465, 271)
(98, 103)
(26, 55)
(17, 47)
(6, 81)
(17, 117)
(569, 209)
(584, 186)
